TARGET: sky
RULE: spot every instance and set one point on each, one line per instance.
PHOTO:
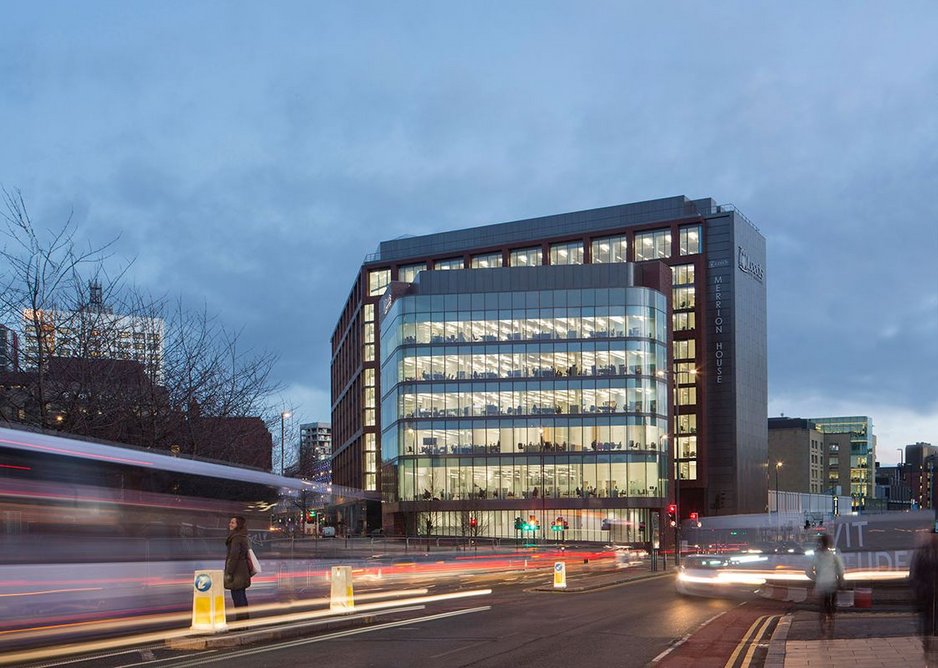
(249, 155)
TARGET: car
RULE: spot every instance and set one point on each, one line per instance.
(376, 533)
(720, 576)
(327, 532)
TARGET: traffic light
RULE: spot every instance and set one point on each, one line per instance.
(534, 524)
(559, 524)
(672, 514)
(310, 516)
(695, 519)
(519, 524)
(473, 522)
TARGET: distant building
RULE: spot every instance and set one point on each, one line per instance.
(921, 465)
(9, 349)
(93, 332)
(315, 456)
(892, 486)
(859, 456)
(797, 456)
(812, 461)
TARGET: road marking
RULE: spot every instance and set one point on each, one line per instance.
(748, 641)
(328, 636)
(688, 637)
(747, 660)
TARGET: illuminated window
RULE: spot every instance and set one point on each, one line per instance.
(369, 311)
(691, 239)
(609, 249)
(652, 245)
(568, 253)
(687, 424)
(377, 281)
(685, 321)
(450, 263)
(487, 261)
(409, 272)
(682, 274)
(684, 297)
(684, 349)
(525, 257)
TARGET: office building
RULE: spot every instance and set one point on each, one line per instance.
(797, 456)
(856, 455)
(921, 462)
(315, 456)
(93, 332)
(568, 345)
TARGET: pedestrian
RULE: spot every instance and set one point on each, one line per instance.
(827, 571)
(923, 577)
(237, 564)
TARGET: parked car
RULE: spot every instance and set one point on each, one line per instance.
(327, 532)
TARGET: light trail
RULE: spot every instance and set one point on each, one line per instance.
(41, 654)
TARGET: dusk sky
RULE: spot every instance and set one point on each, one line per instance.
(250, 154)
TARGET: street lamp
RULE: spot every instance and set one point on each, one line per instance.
(778, 510)
(283, 416)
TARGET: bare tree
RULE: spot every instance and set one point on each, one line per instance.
(107, 360)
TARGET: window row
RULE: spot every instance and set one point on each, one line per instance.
(611, 476)
(559, 361)
(616, 525)
(540, 327)
(655, 244)
(504, 437)
(542, 402)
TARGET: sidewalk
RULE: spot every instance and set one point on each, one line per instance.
(860, 640)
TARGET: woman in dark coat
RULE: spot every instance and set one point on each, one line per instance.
(237, 564)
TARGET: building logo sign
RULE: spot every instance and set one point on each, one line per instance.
(386, 303)
(748, 266)
(719, 354)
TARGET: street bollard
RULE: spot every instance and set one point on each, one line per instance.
(342, 597)
(208, 602)
(560, 575)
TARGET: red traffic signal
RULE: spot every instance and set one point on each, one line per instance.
(693, 517)
(473, 522)
(672, 514)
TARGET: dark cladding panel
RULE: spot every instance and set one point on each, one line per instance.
(718, 367)
(751, 379)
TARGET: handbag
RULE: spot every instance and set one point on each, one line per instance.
(254, 563)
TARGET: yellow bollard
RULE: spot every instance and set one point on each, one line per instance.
(560, 575)
(208, 602)
(342, 597)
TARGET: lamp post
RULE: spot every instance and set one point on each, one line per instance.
(778, 510)
(283, 416)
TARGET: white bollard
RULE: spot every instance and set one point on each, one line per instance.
(342, 597)
(208, 602)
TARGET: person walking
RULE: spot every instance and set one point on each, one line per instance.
(827, 572)
(923, 577)
(238, 565)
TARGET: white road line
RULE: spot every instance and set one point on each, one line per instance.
(329, 636)
(689, 635)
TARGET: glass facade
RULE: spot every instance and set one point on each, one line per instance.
(512, 396)
(862, 453)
